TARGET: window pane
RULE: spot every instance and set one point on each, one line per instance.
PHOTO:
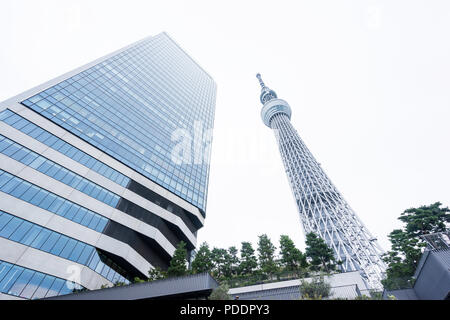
(102, 224)
(21, 282)
(43, 287)
(72, 211)
(21, 231)
(4, 269)
(80, 215)
(20, 189)
(4, 219)
(39, 197)
(4, 178)
(40, 239)
(31, 235)
(32, 285)
(68, 248)
(13, 183)
(30, 193)
(10, 278)
(63, 208)
(94, 222)
(47, 202)
(10, 227)
(94, 261)
(85, 255)
(48, 245)
(57, 202)
(55, 288)
(59, 245)
(77, 251)
(87, 218)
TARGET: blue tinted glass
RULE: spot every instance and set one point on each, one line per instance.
(10, 185)
(102, 224)
(12, 225)
(93, 224)
(10, 278)
(59, 245)
(95, 259)
(36, 200)
(4, 178)
(66, 288)
(36, 163)
(130, 104)
(55, 288)
(41, 238)
(72, 211)
(68, 249)
(85, 255)
(87, 219)
(20, 190)
(31, 235)
(21, 282)
(13, 148)
(54, 207)
(4, 219)
(30, 193)
(47, 201)
(21, 231)
(5, 143)
(4, 269)
(63, 208)
(32, 285)
(51, 240)
(43, 287)
(80, 215)
(75, 255)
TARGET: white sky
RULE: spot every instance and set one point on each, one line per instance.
(368, 83)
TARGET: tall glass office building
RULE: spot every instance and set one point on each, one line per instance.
(104, 170)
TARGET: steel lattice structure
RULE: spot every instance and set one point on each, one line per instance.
(322, 208)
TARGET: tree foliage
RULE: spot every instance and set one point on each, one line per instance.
(156, 274)
(315, 289)
(203, 260)
(292, 259)
(178, 264)
(220, 293)
(321, 256)
(406, 244)
(248, 261)
(231, 262)
(266, 255)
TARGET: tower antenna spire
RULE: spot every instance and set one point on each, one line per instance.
(266, 93)
(261, 82)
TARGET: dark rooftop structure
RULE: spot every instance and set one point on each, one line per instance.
(432, 276)
(196, 287)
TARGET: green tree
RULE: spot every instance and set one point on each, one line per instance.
(248, 261)
(178, 263)
(218, 258)
(406, 244)
(319, 253)
(292, 259)
(231, 262)
(425, 219)
(138, 280)
(156, 274)
(315, 289)
(203, 260)
(220, 293)
(266, 255)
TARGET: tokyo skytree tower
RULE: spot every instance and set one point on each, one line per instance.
(322, 208)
